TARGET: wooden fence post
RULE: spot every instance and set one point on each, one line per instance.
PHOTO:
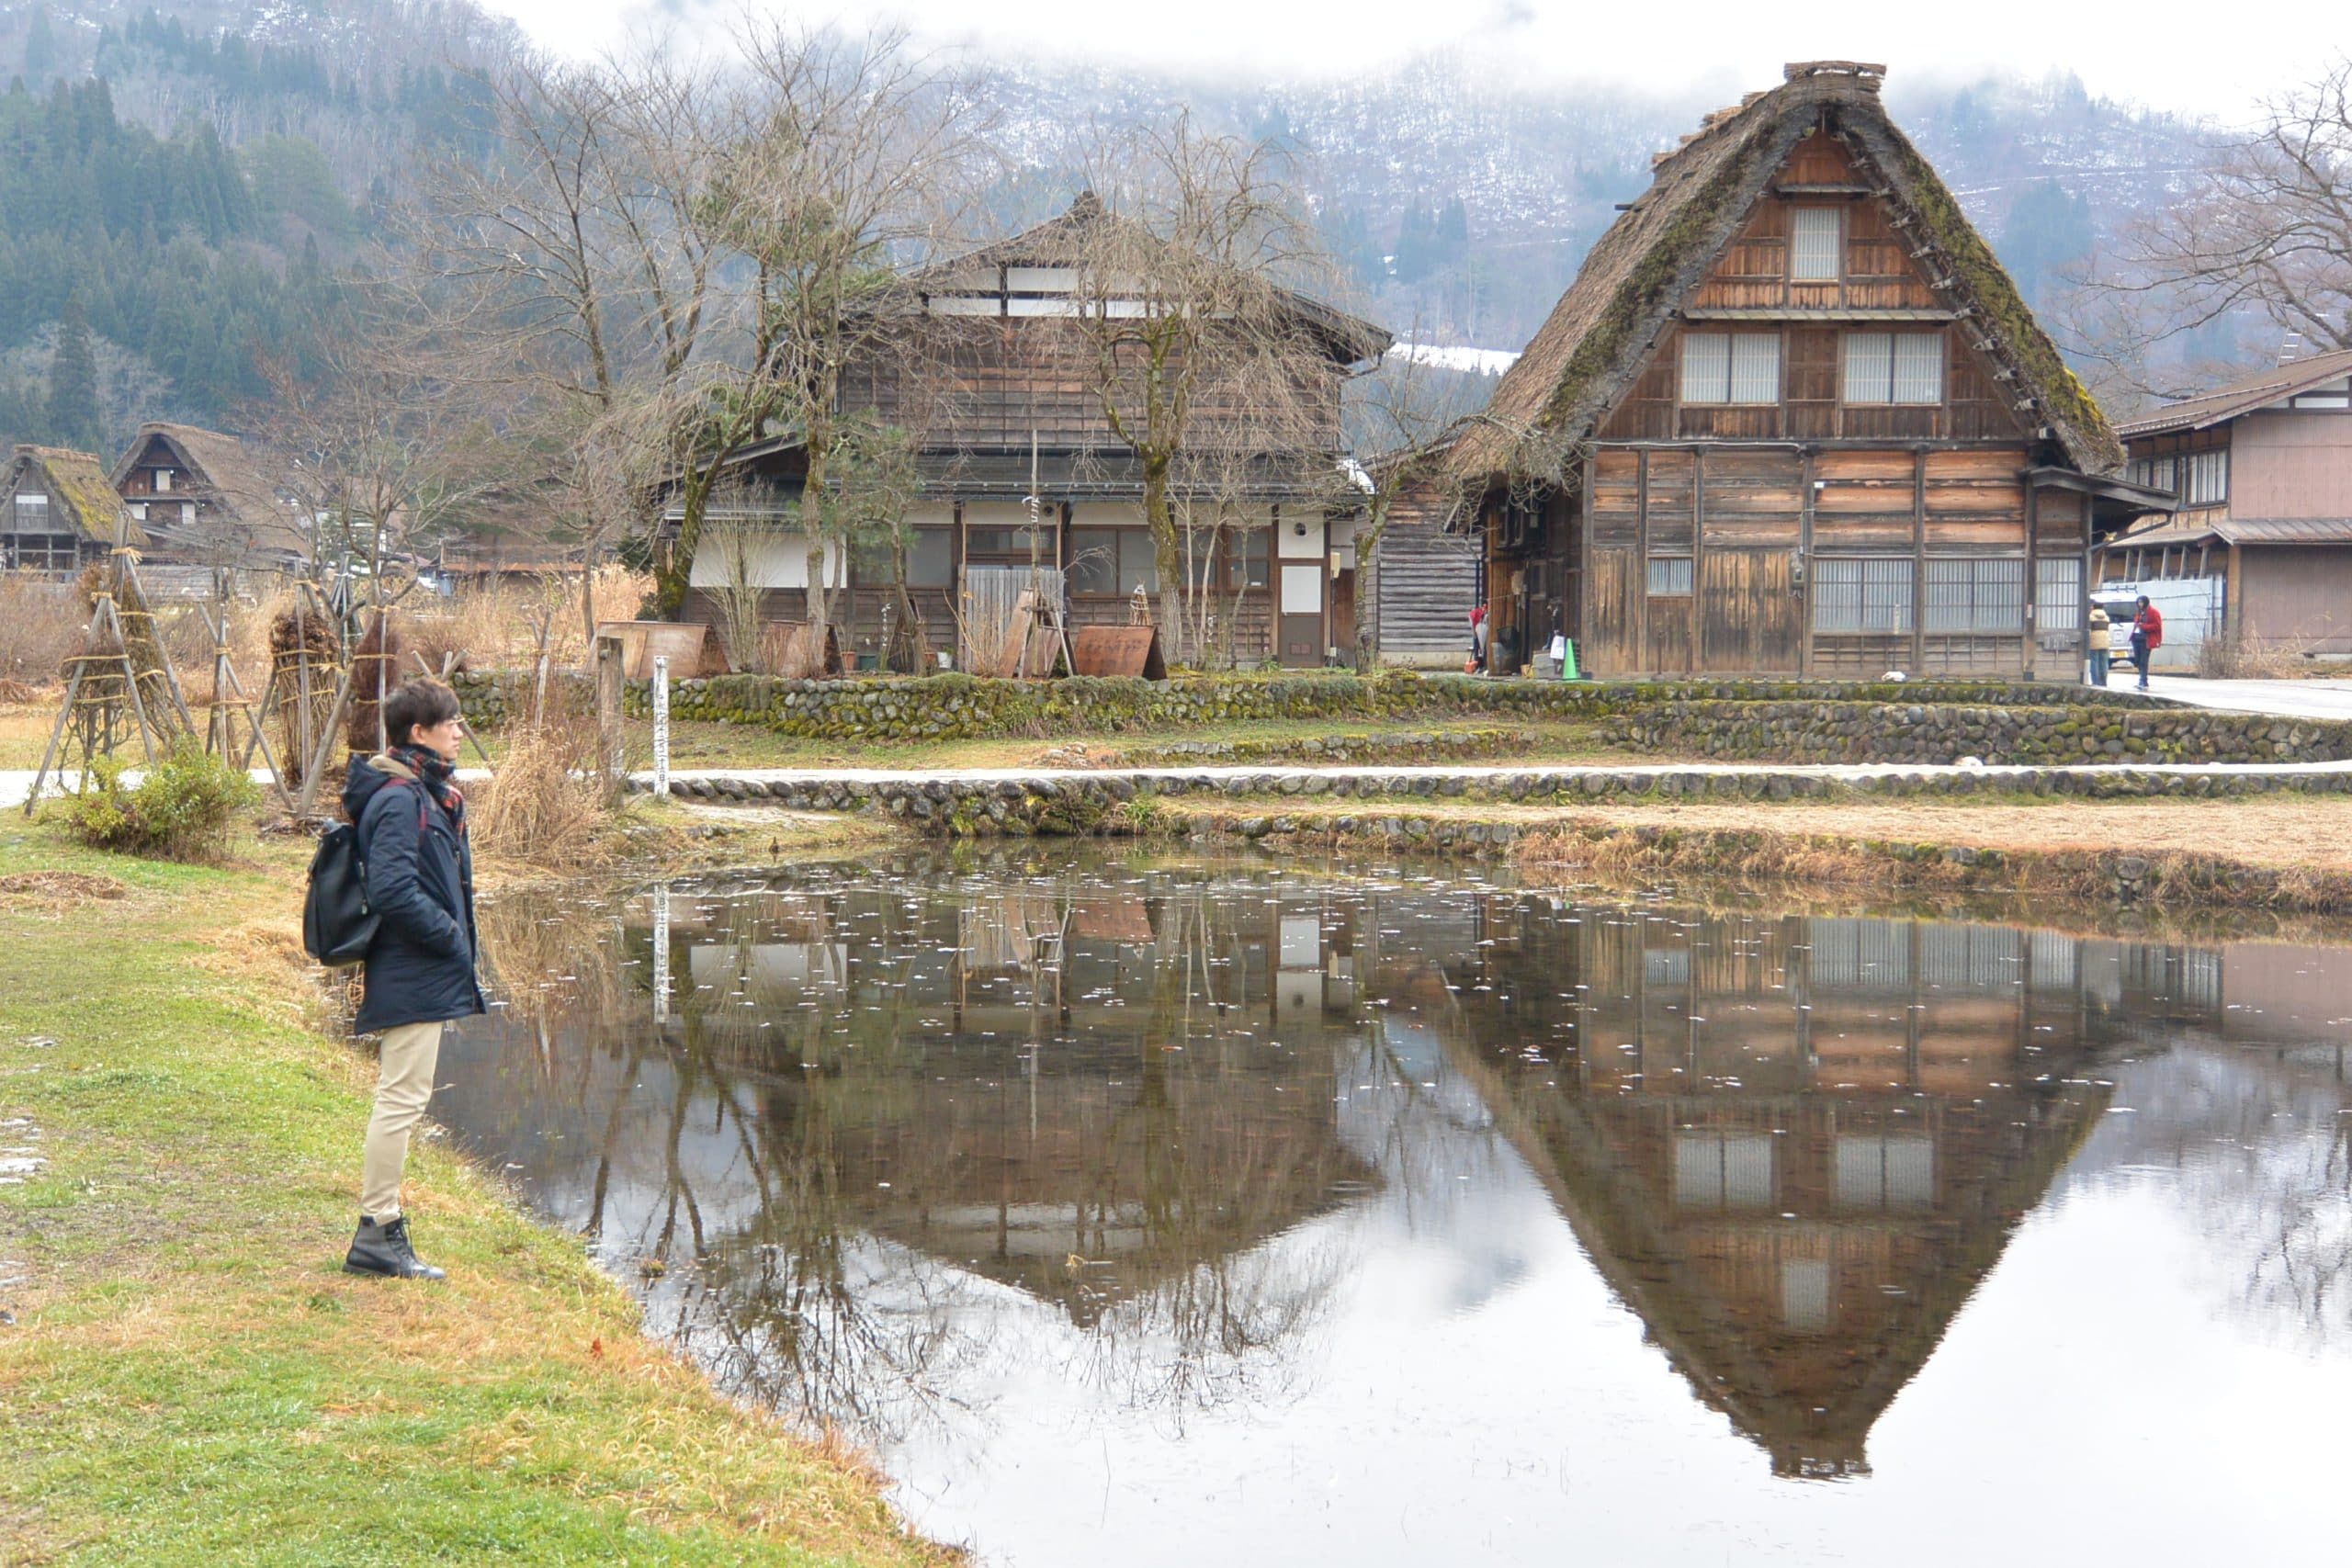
(608, 717)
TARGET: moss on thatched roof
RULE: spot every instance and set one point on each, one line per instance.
(1580, 362)
(77, 489)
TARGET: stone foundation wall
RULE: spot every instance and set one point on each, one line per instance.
(1121, 801)
(956, 706)
(1851, 731)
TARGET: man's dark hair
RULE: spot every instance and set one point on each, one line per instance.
(423, 700)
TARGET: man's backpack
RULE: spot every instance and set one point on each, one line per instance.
(337, 924)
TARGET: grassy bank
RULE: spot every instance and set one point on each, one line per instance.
(189, 1377)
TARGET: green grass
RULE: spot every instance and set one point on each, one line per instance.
(191, 1377)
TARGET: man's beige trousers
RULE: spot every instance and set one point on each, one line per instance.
(404, 1083)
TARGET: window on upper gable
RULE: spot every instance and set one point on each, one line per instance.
(1894, 367)
(1731, 367)
(1814, 234)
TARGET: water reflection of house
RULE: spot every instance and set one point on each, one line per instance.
(1086, 1097)
(1795, 1146)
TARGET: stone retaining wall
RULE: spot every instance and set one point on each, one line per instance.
(940, 707)
(1916, 732)
(1121, 801)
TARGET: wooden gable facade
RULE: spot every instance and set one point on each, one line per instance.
(203, 500)
(57, 514)
(1797, 422)
(997, 378)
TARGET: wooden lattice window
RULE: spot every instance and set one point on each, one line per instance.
(1731, 367)
(1816, 239)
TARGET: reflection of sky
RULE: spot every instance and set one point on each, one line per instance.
(1479, 1396)
(2154, 1370)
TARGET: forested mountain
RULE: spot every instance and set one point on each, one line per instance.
(186, 178)
(181, 183)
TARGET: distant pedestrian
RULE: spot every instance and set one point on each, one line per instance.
(2147, 636)
(1478, 640)
(419, 972)
(2101, 630)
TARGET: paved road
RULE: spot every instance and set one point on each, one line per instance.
(2290, 699)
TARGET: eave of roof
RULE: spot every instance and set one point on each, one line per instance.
(2250, 531)
(2241, 397)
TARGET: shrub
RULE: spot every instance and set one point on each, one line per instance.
(180, 809)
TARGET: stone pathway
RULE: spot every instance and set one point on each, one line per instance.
(2288, 699)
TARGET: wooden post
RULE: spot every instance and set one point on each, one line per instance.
(326, 742)
(56, 737)
(608, 716)
(1920, 564)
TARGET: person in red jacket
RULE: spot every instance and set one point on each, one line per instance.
(2147, 636)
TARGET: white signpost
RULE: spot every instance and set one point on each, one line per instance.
(660, 727)
(661, 952)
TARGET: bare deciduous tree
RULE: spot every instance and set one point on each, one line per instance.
(573, 277)
(2265, 228)
(1221, 381)
(837, 176)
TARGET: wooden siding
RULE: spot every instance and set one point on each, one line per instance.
(1746, 516)
(990, 382)
(2293, 463)
(2295, 599)
(1426, 584)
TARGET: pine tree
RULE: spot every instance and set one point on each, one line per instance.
(73, 382)
(40, 48)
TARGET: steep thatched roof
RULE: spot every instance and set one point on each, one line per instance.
(1579, 363)
(243, 499)
(1071, 237)
(77, 491)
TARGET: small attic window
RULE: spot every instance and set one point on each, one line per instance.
(1813, 236)
(163, 480)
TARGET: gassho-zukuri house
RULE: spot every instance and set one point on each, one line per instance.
(1793, 418)
(999, 393)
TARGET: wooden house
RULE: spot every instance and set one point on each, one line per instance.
(1795, 1146)
(58, 513)
(205, 502)
(1793, 418)
(999, 390)
(2260, 550)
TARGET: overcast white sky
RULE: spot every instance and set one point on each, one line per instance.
(2159, 52)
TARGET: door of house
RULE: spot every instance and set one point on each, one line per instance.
(1748, 610)
(1299, 641)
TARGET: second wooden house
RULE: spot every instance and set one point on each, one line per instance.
(2259, 555)
(999, 398)
(1793, 418)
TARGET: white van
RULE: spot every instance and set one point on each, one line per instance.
(2191, 607)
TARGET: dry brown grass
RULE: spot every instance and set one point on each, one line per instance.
(53, 891)
(544, 807)
(41, 624)
(498, 627)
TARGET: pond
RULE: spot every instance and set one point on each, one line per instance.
(1158, 1210)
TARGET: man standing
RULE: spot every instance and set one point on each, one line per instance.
(419, 971)
(2147, 636)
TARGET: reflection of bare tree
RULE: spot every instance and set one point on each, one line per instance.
(2259, 1142)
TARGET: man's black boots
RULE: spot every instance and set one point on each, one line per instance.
(384, 1250)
